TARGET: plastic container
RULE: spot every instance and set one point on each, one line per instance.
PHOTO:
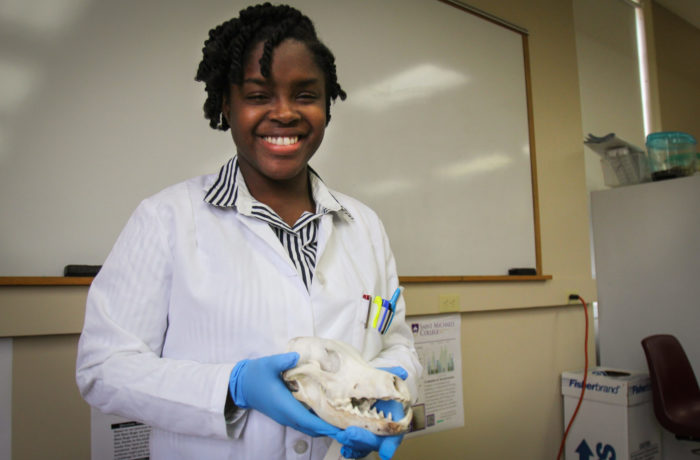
(622, 166)
(671, 154)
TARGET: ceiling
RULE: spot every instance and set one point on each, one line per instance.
(686, 9)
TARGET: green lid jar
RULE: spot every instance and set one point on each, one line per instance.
(671, 154)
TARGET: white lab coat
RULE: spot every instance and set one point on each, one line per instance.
(190, 289)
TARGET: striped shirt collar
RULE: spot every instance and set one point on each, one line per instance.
(230, 190)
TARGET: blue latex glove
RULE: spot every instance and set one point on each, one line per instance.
(257, 384)
(398, 371)
(358, 442)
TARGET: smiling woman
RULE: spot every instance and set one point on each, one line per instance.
(187, 321)
(277, 124)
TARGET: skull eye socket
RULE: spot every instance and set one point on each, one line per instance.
(292, 385)
(331, 362)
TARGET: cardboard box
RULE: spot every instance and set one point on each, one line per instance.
(616, 419)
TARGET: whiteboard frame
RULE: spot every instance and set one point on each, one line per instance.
(42, 144)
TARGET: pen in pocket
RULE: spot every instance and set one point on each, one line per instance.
(377, 309)
(386, 309)
(380, 312)
(369, 307)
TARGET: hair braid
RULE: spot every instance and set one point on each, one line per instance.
(226, 49)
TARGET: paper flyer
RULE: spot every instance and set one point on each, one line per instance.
(440, 405)
(118, 438)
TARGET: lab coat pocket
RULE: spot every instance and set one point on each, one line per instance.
(366, 339)
(372, 344)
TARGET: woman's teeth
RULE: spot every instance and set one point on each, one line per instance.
(281, 140)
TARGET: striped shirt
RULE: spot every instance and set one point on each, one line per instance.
(299, 240)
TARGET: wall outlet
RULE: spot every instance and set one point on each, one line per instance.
(448, 302)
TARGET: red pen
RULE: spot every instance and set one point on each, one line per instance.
(368, 298)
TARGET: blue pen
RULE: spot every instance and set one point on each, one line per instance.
(390, 314)
(394, 299)
(386, 326)
(386, 308)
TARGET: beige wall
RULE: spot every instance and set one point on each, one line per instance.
(677, 50)
(516, 337)
(608, 70)
(49, 418)
(511, 365)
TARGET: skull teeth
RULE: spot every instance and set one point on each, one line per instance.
(363, 408)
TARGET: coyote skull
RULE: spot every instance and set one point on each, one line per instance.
(334, 381)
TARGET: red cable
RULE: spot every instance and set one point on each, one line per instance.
(583, 386)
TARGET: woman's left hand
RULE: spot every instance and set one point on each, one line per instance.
(358, 442)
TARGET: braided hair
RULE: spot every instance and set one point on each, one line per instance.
(229, 45)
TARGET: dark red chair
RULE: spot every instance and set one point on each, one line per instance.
(674, 388)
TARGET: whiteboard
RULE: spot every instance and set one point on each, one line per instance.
(99, 109)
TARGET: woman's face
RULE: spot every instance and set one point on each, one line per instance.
(277, 123)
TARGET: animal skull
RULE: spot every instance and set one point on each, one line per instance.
(334, 381)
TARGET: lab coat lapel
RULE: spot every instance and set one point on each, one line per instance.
(325, 230)
(299, 320)
(263, 231)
